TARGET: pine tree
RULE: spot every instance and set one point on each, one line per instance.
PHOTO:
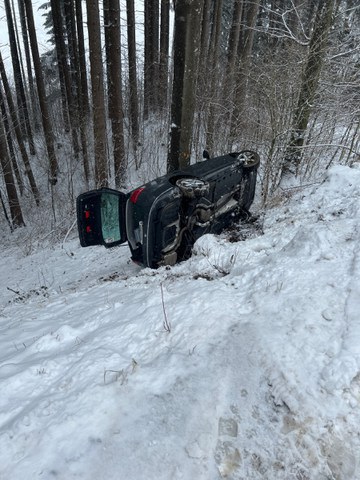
(98, 94)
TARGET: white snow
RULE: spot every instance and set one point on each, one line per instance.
(258, 377)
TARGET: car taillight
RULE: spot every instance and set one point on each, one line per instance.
(135, 194)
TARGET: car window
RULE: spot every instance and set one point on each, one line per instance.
(110, 222)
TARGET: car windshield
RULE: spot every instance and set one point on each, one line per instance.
(110, 222)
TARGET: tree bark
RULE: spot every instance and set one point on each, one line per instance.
(164, 53)
(309, 85)
(187, 40)
(238, 120)
(214, 73)
(181, 10)
(190, 78)
(98, 95)
(18, 133)
(69, 112)
(82, 88)
(49, 137)
(14, 203)
(10, 143)
(19, 84)
(84, 94)
(133, 90)
(115, 102)
(61, 57)
(30, 78)
(151, 57)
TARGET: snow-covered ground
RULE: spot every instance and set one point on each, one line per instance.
(241, 363)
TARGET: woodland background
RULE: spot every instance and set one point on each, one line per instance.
(128, 89)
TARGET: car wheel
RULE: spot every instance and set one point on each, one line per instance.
(249, 158)
(193, 187)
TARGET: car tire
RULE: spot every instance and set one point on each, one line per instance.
(192, 187)
(249, 159)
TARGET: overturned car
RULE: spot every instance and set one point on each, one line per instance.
(162, 219)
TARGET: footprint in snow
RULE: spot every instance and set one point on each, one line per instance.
(227, 456)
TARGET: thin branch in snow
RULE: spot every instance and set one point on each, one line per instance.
(166, 323)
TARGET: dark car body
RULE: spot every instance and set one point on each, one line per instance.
(162, 219)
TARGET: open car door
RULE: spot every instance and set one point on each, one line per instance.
(101, 217)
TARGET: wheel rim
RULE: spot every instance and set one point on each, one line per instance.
(191, 183)
(248, 158)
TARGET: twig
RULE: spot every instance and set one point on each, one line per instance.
(68, 232)
(14, 291)
(299, 187)
(166, 323)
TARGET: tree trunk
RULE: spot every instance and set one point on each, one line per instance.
(214, 75)
(187, 39)
(113, 62)
(10, 143)
(19, 84)
(49, 137)
(229, 79)
(190, 77)
(181, 10)
(309, 85)
(18, 133)
(239, 120)
(14, 204)
(98, 95)
(70, 115)
(82, 88)
(82, 59)
(61, 57)
(205, 34)
(164, 54)
(32, 93)
(134, 102)
(151, 57)
(234, 38)
(70, 27)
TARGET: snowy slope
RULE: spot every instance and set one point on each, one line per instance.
(241, 363)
